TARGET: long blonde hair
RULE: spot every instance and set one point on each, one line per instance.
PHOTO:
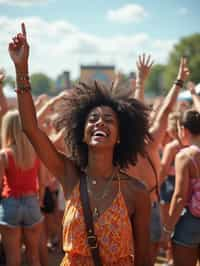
(14, 138)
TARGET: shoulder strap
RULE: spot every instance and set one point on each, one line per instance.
(91, 237)
(156, 187)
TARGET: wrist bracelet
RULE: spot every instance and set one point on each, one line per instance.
(22, 77)
(179, 82)
(22, 91)
(23, 84)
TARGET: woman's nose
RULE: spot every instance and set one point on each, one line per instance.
(100, 121)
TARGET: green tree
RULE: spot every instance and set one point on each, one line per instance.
(189, 47)
(41, 83)
(154, 85)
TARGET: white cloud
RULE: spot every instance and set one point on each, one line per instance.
(127, 14)
(183, 11)
(59, 45)
(22, 2)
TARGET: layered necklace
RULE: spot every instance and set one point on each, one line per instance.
(102, 194)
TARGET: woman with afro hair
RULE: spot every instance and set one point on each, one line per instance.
(103, 135)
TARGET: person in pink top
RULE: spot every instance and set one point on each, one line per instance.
(183, 222)
(19, 208)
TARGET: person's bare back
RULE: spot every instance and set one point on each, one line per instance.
(144, 171)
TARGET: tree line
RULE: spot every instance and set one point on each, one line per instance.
(161, 76)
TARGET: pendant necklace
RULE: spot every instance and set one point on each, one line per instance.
(101, 195)
(105, 190)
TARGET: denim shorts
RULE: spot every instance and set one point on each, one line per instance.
(167, 189)
(187, 230)
(20, 212)
(155, 226)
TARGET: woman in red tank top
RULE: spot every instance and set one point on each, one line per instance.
(19, 209)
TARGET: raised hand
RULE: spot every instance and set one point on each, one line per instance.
(19, 48)
(144, 65)
(194, 94)
(191, 87)
(183, 72)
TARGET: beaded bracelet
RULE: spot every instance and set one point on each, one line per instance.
(22, 91)
(23, 86)
(23, 78)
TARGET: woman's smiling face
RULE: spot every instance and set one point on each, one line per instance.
(101, 127)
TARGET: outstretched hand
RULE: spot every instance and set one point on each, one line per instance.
(183, 72)
(19, 48)
(144, 65)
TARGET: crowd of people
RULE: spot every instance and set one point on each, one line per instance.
(102, 175)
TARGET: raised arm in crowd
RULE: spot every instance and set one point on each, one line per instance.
(195, 96)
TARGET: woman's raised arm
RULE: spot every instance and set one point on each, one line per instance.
(55, 161)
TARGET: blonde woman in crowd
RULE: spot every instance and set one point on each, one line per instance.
(20, 214)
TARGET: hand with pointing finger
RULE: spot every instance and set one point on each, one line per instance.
(19, 48)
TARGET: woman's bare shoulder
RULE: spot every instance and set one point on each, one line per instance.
(135, 193)
(132, 182)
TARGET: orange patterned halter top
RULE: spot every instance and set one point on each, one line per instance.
(113, 229)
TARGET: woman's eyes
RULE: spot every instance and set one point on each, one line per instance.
(108, 119)
(95, 118)
(92, 118)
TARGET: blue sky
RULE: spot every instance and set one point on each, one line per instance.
(64, 34)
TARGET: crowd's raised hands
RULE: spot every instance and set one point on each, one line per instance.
(144, 64)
